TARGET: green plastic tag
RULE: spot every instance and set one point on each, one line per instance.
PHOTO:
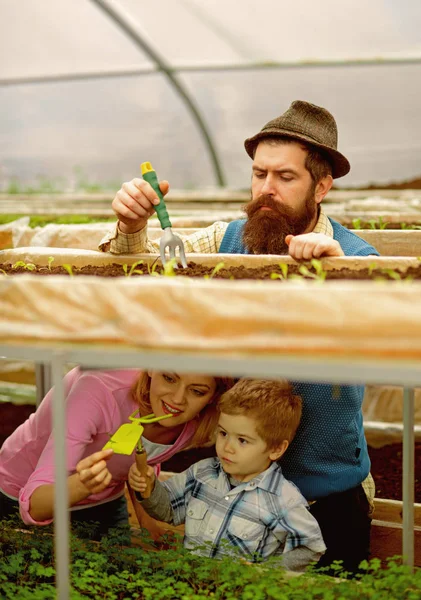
(125, 438)
(127, 435)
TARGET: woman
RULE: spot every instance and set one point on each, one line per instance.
(97, 404)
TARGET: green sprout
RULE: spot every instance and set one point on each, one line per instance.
(69, 269)
(320, 273)
(153, 271)
(371, 267)
(50, 262)
(27, 266)
(129, 273)
(382, 224)
(283, 274)
(216, 269)
(356, 223)
(169, 267)
(4, 272)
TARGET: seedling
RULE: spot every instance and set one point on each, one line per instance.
(50, 262)
(382, 224)
(283, 274)
(169, 267)
(4, 273)
(356, 223)
(153, 271)
(69, 269)
(216, 269)
(24, 265)
(319, 275)
(133, 269)
(371, 268)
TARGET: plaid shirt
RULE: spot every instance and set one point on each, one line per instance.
(257, 519)
(207, 240)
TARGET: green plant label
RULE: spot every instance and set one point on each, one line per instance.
(125, 438)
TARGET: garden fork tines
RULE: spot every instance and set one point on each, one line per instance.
(169, 240)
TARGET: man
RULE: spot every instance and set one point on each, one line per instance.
(295, 160)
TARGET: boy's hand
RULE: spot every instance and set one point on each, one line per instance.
(93, 471)
(137, 482)
(135, 202)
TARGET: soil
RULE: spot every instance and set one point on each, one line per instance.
(201, 271)
(386, 462)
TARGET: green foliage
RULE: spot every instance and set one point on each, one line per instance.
(129, 273)
(356, 223)
(216, 269)
(24, 265)
(319, 274)
(69, 269)
(283, 274)
(112, 571)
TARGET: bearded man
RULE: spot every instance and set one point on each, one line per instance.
(295, 160)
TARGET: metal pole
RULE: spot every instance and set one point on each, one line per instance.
(117, 14)
(42, 381)
(408, 482)
(61, 498)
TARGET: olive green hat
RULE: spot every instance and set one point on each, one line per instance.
(311, 124)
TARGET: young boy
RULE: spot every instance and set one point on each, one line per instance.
(240, 502)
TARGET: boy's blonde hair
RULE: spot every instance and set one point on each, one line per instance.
(206, 419)
(272, 404)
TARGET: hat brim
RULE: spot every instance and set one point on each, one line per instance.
(340, 164)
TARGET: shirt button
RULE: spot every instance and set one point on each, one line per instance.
(227, 497)
(252, 484)
(210, 531)
(190, 513)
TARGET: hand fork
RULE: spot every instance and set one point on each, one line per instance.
(169, 239)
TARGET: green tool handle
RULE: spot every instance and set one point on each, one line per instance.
(149, 175)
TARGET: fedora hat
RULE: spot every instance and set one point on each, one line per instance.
(308, 123)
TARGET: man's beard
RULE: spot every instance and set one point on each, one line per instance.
(265, 230)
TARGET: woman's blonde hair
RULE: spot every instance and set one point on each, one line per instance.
(206, 419)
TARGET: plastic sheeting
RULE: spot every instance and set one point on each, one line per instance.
(106, 126)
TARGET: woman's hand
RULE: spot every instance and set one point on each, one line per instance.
(93, 471)
(139, 483)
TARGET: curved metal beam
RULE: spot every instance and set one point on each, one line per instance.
(113, 10)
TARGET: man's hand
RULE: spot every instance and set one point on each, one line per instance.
(134, 204)
(312, 245)
(93, 471)
(137, 482)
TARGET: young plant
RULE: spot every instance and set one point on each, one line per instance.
(24, 265)
(357, 224)
(69, 269)
(153, 270)
(382, 224)
(50, 262)
(320, 273)
(371, 267)
(169, 267)
(216, 269)
(283, 275)
(129, 273)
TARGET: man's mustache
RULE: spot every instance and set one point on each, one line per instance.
(252, 207)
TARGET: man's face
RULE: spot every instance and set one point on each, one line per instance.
(282, 198)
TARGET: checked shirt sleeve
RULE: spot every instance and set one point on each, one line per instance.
(207, 240)
(302, 530)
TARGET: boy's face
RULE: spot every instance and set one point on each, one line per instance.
(242, 452)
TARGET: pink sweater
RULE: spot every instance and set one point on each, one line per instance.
(98, 402)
